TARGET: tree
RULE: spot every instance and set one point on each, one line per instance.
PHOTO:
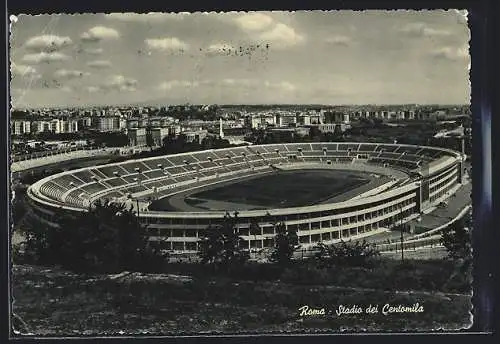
(109, 139)
(315, 133)
(18, 204)
(285, 241)
(106, 239)
(358, 253)
(337, 131)
(254, 230)
(456, 239)
(149, 138)
(222, 244)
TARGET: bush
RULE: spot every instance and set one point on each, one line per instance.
(359, 253)
(107, 239)
(284, 244)
(457, 238)
(222, 246)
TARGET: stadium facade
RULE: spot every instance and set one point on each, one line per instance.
(420, 178)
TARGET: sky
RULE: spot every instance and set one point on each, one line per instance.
(304, 57)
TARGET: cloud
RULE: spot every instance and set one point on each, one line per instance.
(99, 64)
(23, 70)
(70, 74)
(254, 21)
(93, 51)
(152, 17)
(244, 83)
(261, 27)
(422, 30)
(49, 43)
(282, 34)
(44, 57)
(166, 44)
(452, 54)
(339, 40)
(234, 84)
(120, 83)
(92, 89)
(99, 33)
(283, 85)
(220, 49)
(169, 85)
(239, 82)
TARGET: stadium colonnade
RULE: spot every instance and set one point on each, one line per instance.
(425, 177)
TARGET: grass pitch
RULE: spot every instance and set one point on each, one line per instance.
(284, 188)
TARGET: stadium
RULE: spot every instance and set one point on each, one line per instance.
(327, 191)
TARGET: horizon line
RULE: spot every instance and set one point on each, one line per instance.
(229, 105)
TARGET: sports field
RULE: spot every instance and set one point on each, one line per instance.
(277, 190)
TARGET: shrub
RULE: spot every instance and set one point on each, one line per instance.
(359, 253)
(106, 239)
(222, 245)
(284, 244)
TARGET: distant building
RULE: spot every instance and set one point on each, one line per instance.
(262, 120)
(132, 123)
(55, 126)
(289, 133)
(195, 136)
(317, 118)
(68, 126)
(136, 136)
(122, 123)
(174, 129)
(304, 119)
(21, 127)
(221, 131)
(255, 122)
(333, 117)
(391, 115)
(108, 123)
(331, 127)
(285, 120)
(302, 131)
(85, 122)
(158, 134)
(40, 126)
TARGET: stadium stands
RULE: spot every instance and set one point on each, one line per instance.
(160, 176)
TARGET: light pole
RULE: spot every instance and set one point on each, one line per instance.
(138, 211)
(401, 228)
(254, 227)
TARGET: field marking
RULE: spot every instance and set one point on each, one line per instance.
(177, 200)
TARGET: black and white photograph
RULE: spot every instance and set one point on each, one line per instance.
(240, 173)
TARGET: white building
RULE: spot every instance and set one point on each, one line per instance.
(158, 134)
(192, 136)
(108, 123)
(69, 126)
(285, 120)
(137, 137)
(174, 129)
(21, 127)
(122, 123)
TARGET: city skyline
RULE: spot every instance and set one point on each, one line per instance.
(330, 58)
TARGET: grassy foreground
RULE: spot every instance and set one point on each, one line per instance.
(53, 302)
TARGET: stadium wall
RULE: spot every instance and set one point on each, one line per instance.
(328, 223)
